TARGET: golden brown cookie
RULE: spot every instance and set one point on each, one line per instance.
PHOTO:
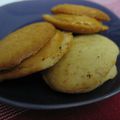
(76, 24)
(45, 58)
(86, 66)
(81, 10)
(23, 43)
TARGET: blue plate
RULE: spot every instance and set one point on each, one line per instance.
(32, 92)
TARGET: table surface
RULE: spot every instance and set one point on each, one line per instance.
(108, 109)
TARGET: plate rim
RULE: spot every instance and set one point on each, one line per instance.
(55, 106)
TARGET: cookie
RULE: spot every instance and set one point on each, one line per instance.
(24, 43)
(81, 10)
(76, 24)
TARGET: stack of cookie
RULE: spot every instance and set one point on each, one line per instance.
(77, 64)
(31, 49)
(78, 19)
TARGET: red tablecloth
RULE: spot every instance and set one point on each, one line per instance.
(105, 110)
(108, 109)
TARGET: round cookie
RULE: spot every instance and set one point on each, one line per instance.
(80, 10)
(24, 43)
(76, 24)
(85, 66)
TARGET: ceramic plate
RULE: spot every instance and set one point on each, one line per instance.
(32, 92)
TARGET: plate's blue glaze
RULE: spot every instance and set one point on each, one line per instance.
(32, 92)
